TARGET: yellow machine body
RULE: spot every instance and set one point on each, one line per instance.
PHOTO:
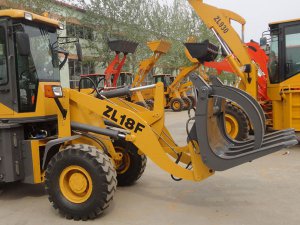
(286, 103)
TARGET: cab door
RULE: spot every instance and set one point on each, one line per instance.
(6, 64)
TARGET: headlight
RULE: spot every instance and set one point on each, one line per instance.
(53, 91)
(28, 16)
(57, 91)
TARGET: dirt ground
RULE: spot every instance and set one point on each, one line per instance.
(264, 192)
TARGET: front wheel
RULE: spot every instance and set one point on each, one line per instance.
(80, 182)
(177, 104)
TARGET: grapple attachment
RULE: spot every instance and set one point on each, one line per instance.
(218, 151)
(203, 52)
(123, 46)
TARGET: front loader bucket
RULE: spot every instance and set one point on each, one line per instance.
(203, 52)
(159, 46)
(218, 151)
(123, 46)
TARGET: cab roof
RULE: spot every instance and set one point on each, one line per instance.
(20, 14)
(284, 21)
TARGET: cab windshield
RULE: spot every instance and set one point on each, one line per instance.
(44, 52)
(292, 55)
(42, 64)
(284, 58)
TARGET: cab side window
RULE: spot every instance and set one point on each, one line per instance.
(3, 58)
(27, 82)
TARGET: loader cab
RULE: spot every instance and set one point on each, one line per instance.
(41, 64)
(284, 57)
(125, 79)
(166, 79)
(28, 56)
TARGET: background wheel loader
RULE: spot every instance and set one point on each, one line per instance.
(182, 101)
(82, 144)
(144, 98)
(283, 84)
(174, 98)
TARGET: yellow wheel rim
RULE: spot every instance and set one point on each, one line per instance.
(176, 105)
(75, 184)
(232, 126)
(123, 164)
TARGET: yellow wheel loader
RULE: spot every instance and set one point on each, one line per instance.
(283, 85)
(186, 91)
(81, 144)
(175, 93)
(176, 98)
(158, 48)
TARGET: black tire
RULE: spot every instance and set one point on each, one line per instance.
(128, 174)
(188, 104)
(177, 104)
(143, 104)
(241, 119)
(193, 99)
(102, 175)
(150, 104)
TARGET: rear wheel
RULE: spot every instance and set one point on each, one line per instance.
(188, 104)
(193, 99)
(132, 165)
(150, 104)
(81, 182)
(177, 104)
(236, 122)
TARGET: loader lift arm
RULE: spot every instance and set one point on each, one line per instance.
(159, 48)
(115, 67)
(218, 20)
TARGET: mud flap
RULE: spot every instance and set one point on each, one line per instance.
(218, 151)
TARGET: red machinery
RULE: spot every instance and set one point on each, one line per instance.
(113, 71)
(259, 56)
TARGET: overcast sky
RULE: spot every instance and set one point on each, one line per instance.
(258, 13)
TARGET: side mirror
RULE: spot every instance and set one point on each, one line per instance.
(79, 51)
(263, 41)
(23, 43)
